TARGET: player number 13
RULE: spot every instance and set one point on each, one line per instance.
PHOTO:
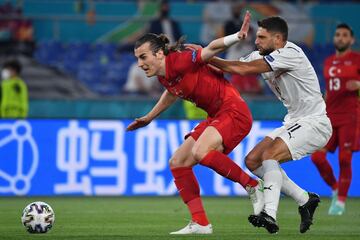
(334, 84)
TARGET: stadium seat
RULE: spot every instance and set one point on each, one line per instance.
(89, 73)
(48, 52)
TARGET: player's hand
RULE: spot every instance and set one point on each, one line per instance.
(138, 123)
(192, 46)
(353, 85)
(245, 26)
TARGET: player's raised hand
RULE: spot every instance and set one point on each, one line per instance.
(245, 26)
(138, 123)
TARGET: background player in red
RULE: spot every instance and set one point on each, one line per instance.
(185, 74)
(341, 72)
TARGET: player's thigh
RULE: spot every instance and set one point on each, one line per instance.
(226, 130)
(278, 150)
(183, 157)
(254, 158)
(347, 137)
(305, 136)
(209, 140)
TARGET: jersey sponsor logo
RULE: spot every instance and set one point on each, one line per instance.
(193, 56)
(269, 58)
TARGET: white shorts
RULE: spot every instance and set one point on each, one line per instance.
(304, 136)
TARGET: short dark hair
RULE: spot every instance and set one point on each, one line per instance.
(275, 24)
(344, 25)
(160, 41)
(13, 65)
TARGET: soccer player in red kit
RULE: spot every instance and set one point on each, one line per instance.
(185, 74)
(342, 75)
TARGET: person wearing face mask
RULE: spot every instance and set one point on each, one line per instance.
(13, 94)
(164, 24)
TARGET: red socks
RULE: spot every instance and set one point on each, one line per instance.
(224, 166)
(345, 157)
(325, 170)
(189, 191)
(197, 211)
(188, 186)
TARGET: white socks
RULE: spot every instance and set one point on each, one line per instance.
(288, 187)
(272, 186)
(293, 190)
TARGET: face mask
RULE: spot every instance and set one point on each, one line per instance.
(5, 74)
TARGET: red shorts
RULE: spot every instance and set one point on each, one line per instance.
(345, 136)
(233, 121)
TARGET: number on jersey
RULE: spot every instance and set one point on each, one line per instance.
(334, 84)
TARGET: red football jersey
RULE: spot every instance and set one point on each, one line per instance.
(188, 77)
(342, 105)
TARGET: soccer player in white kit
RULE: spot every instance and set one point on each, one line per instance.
(306, 127)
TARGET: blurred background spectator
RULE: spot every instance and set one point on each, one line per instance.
(13, 26)
(245, 84)
(215, 14)
(164, 24)
(14, 102)
(138, 83)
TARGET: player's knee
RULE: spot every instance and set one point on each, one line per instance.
(252, 161)
(199, 152)
(318, 157)
(268, 154)
(176, 162)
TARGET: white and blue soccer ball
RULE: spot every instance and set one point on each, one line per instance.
(38, 217)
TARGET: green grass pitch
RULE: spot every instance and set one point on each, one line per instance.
(154, 217)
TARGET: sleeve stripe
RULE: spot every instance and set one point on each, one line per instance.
(268, 64)
(198, 56)
(294, 49)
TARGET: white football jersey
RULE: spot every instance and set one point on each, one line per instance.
(293, 80)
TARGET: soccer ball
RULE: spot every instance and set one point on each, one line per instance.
(38, 217)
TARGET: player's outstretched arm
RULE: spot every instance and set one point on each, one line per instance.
(242, 68)
(220, 44)
(166, 100)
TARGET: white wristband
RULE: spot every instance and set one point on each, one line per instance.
(231, 39)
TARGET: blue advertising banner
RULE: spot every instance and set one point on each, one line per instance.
(98, 157)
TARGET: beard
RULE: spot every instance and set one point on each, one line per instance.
(264, 52)
(342, 47)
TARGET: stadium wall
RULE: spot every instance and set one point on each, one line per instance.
(261, 109)
(98, 157)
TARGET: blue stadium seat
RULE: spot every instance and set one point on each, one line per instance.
(104, 53)
(89, 73)
(48, 52)
(116, 73)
